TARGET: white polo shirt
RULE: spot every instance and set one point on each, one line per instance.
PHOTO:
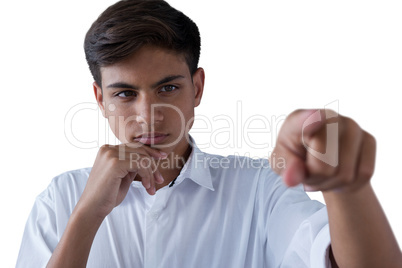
(220, 212)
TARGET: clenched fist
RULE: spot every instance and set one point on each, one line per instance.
(113, 172)
(325, 151)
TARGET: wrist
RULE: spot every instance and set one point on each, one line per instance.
(348, 192)
(86, 214)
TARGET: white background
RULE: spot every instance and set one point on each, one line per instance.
(272, 56)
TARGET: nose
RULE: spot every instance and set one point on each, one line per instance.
(148, 110)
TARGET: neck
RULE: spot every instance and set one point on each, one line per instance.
(171, 166)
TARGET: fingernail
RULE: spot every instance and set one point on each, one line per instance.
(161, 179)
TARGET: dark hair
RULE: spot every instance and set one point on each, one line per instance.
(126, 26)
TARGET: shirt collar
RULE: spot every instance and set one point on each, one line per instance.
(197, 168)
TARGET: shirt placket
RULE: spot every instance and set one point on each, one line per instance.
(153, 249)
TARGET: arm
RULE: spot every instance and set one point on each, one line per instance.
(107, 186)
(331, 153)
(360, 233)
(75, 244)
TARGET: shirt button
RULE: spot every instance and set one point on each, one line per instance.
(154, 215)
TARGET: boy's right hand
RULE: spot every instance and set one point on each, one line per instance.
(114, 170)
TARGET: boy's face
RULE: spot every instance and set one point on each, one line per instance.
(150, 98)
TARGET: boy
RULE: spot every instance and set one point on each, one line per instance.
(156, 200)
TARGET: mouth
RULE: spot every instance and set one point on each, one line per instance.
(151, 138)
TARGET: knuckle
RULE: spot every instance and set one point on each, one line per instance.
(371, 139)
(366, 172)
(347, 176)
(109, 153)
(294, 114)
(331, 113)
(351, 126)
(103, 148)
(106, 151)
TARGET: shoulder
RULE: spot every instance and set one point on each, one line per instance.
(72, 176)
(66, 187)
(71, 179)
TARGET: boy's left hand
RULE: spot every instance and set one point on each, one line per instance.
(324, 151)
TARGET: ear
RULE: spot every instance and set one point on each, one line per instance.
(99, 98)
(198, 82)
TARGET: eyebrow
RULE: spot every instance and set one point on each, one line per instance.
(160, 82)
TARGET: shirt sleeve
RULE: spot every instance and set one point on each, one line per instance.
(40, 234)
(296, 227)
(49, 216)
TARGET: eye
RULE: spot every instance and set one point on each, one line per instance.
(168, 88)
(126, 94)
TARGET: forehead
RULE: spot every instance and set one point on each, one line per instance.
(147, 64)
